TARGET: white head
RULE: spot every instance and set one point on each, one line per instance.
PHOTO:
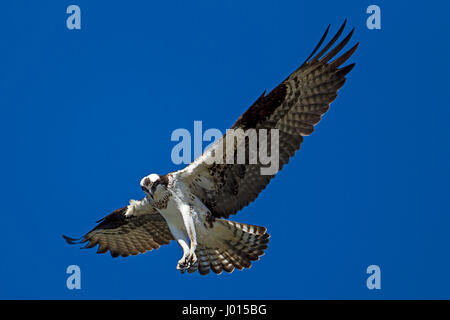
(151, 183)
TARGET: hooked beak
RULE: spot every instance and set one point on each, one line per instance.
(147, 192)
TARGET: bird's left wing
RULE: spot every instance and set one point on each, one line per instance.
(127, 235)
(294, 107)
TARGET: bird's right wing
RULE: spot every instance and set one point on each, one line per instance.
(293, 108)
(127, 235)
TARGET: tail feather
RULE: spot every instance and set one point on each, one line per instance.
(240, 244)
(214, 261)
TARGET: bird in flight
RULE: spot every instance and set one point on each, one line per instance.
(191, 205)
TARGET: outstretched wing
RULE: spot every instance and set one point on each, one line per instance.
(294, 107)
(124, 236)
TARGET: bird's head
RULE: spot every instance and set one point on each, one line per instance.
(152, 185)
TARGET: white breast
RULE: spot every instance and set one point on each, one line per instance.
(172, 213)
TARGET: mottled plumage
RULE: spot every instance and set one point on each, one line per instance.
(124, 236)
(188, 205)
(294, 107)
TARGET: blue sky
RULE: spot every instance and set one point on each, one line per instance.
(87, 113)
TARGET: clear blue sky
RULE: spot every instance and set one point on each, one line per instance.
(87, 113)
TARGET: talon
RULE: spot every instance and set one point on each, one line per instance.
(193, 259)
(187, 262)
(181, 265)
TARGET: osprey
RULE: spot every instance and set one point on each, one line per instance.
(190, 205)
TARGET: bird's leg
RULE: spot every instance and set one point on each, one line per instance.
(182, 240)
(187, 212)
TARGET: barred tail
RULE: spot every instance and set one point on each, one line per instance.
(239, 244)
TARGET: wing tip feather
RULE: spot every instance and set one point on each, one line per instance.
(70, 240)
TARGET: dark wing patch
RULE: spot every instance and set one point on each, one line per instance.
(294, 107)
(261, 108)
(124, 236)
